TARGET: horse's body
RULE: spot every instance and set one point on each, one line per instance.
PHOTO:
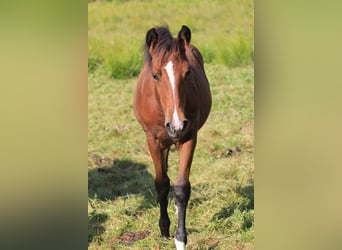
(172, 101)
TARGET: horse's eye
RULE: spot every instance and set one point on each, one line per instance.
(155, 76)
(187, 74)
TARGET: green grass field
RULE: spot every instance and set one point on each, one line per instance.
(122, 208)
(222, 30)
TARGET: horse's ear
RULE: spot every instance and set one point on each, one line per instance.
(184, 35)
(151, 37)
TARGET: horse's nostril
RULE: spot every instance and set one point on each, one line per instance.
(176, 130)
(168, 127)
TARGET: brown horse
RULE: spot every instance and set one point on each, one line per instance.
(172, 101)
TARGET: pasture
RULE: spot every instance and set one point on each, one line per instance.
(122, 208)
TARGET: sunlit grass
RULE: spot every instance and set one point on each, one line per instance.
(122, 198)
(222, 30)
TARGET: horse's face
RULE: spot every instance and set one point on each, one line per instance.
(170, 73)
(170, 80)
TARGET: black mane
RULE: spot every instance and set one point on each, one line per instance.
(163, 47)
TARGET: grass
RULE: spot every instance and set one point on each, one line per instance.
(121, 190)
(122, 208)
(222, 30)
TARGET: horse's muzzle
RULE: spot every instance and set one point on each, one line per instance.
(176, 131)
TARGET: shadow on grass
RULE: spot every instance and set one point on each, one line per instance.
(112, 179)
(239, 212)
(120, 178)
(247, 192)
(95, 226)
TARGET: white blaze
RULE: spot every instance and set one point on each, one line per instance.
(170, 73)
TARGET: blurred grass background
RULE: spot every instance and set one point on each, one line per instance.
(222, 30)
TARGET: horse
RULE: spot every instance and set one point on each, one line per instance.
(172, 101)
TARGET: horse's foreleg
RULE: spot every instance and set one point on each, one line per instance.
(162, 183)
(182, 190)
(162, 188)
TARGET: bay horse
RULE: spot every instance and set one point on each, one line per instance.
(172, 101)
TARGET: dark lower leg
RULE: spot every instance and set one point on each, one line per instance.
(182, 194)
(163, 187)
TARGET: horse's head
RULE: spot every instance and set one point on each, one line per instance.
(171, 73)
